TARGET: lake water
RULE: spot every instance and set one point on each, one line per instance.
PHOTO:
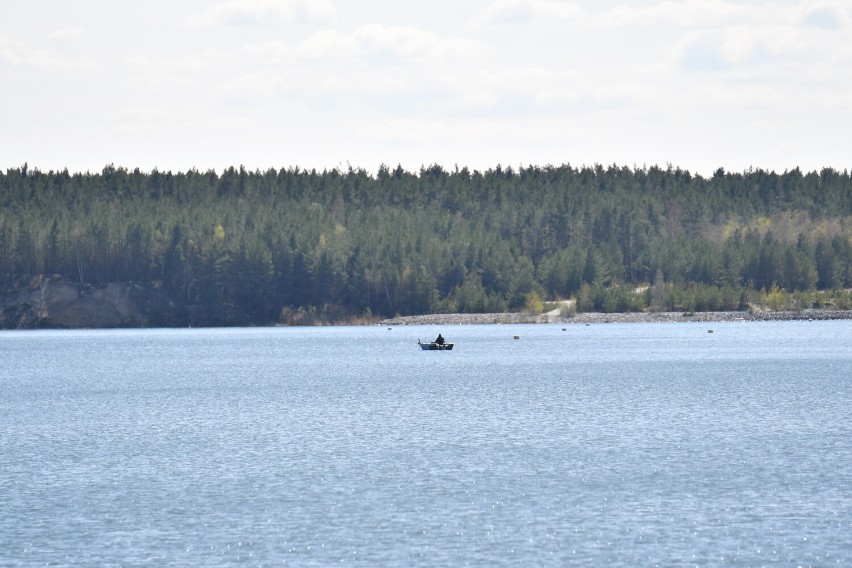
(602, 445)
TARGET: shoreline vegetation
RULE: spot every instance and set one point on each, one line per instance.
(53, 302)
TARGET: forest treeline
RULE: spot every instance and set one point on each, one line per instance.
(259, 247)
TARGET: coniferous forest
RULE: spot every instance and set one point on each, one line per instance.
(263, 247)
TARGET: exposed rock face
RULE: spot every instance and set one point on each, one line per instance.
(51, 301)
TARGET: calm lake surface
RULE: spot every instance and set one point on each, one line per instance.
(602, 445)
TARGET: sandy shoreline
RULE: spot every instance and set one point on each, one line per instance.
(589, 318)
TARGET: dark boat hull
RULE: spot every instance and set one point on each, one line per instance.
(436, 347)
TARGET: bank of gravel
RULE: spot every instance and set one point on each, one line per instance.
(589, 318)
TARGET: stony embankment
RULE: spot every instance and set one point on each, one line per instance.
(588, 318)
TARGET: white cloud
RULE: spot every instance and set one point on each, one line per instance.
(686, 13)
(511, 11)
(826, 14)
(25, 56)
(825, 18)
(372, 43)
(681, 14)
(786, 41)
(528, 91)
(264, 12)
(326, 44)
(66, 33)
(689, 14)
(389, 69)
(408, 42)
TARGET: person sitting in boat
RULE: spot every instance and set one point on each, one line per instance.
(440, 340)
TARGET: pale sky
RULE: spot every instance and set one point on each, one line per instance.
(174, 85)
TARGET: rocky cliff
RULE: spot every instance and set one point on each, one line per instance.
(51, 301)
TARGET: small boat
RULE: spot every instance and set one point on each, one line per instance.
(432, 346)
